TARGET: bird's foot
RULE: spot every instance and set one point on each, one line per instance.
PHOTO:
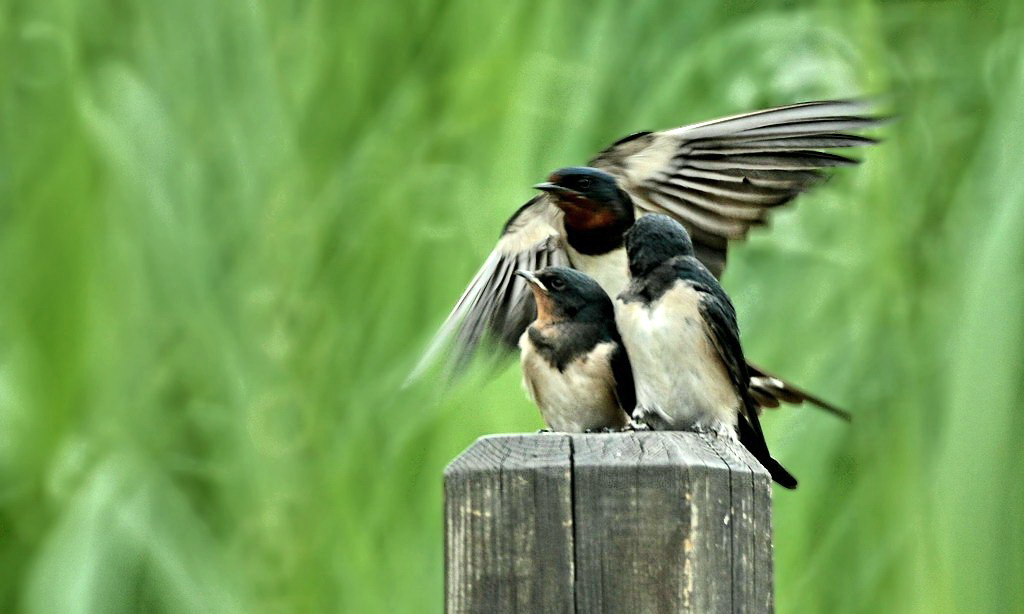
(544, 431)
(716, 430)
(603, 429)
(636, 425)
(724, 430)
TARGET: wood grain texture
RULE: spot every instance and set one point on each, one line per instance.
(508, 526)
(633, 522)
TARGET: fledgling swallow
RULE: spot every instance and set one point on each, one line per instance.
(574, 366)
(679, 328)
(718, 178)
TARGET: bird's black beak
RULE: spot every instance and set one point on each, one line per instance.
(532, 280)
(553, 188)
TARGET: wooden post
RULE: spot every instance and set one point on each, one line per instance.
(632, 522)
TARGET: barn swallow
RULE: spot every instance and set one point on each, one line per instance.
(718, 178)
(679, 328)
(574, 366)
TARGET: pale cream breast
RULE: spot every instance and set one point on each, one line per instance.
(580, 397)
(610, 271)
(677, 370)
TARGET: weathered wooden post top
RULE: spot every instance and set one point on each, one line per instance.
(632, 522)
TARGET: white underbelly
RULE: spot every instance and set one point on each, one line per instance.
(579, 398)
(681, 382)
(610, 270)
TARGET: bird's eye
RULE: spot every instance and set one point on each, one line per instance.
(583, 183)
(557, 284)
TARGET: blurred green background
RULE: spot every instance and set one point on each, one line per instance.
(227, 229)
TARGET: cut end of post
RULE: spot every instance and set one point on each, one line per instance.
(647, 521)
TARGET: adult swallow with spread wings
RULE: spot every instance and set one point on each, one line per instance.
(718, 178)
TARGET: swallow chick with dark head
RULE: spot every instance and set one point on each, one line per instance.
(679, 328)
(719, 179)
(574, 366)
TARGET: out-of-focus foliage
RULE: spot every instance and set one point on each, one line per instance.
(226, 229)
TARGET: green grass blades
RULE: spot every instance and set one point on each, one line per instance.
(227, 229)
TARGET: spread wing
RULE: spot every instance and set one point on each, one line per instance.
(719, 317)
(723, 177)
(497, 306)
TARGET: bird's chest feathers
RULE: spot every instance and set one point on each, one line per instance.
(563, 350)
(563, 385)
(610, 270)
(667, 330)
(676, 366)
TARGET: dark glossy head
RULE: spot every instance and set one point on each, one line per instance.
(590, 197)
(654, 239)
(566, 294)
